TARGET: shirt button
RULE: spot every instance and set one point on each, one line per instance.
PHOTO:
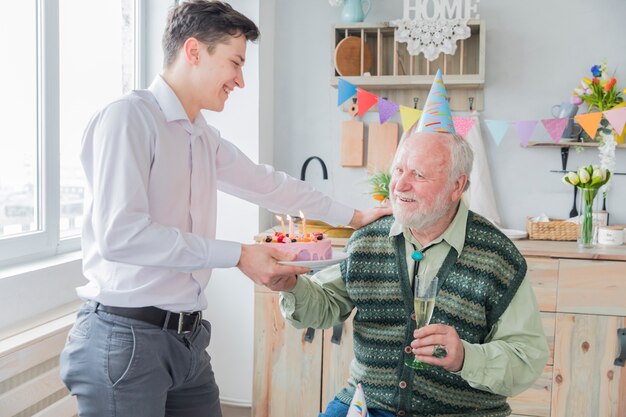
(402, 384)
(407, 349)
(413, 316)
(401, 412)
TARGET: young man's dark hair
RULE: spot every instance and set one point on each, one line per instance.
(211, 22)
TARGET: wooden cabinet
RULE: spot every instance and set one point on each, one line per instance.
(582, 298)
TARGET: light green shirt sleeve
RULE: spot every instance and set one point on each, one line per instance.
(515, 351)
(320, 301)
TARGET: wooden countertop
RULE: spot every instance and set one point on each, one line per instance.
(558, 249)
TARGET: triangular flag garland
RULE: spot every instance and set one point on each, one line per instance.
(555, 127)
(386, 109)
(617, 118)
(366, 100)
(589, 122)
(345, 90)
(409, 117)
(524, 129)
(462, 125)
(358, 408)
(498, 128)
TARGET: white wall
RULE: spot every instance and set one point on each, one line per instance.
(536, 53)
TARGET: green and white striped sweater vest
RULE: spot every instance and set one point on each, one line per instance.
(475, 289)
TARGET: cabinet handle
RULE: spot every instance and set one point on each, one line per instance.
(308, 336)
(337, 331)
(621, 340)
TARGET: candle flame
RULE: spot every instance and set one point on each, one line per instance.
(301, 215)
(289, 217)
(279, 218)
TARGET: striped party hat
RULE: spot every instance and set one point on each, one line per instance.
(436, 116)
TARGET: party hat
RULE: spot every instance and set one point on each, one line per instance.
(436, 115)
(358, 408)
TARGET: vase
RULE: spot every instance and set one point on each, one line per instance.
(354, 11)
(588, 230)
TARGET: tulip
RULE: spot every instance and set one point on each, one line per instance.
(595, 80)
(597, 176)
(572, 178)
(624, 91)
(576, 100)
(587, 81)
(608, 87)
(583, 175)
(579, 92)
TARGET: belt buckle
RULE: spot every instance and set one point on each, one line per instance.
(181, 315)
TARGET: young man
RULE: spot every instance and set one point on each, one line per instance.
(153, 168)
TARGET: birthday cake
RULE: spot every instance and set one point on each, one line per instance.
(306, 247)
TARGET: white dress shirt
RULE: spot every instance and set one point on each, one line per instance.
(150, 218)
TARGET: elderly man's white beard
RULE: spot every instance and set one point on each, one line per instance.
(420, 218)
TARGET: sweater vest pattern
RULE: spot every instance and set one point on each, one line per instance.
(475, 288)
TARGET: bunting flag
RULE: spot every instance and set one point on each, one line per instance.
(434, 117)
(346, 90)
(462, 125)
(386, 109)
(365, 100)
(589, 122)
(498, 129)
(617, 118)
(525, 129)
(555, 127)
(409, 117)
(358, 408)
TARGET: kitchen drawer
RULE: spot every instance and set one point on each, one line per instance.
(592, 287)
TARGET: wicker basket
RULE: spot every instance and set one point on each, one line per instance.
(554, 229)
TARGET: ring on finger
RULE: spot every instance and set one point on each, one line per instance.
(440, 351)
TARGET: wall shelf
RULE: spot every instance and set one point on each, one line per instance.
(401, 77)
(569, 145)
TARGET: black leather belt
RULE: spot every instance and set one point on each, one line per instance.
(181, 322)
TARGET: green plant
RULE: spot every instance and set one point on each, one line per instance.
(380, 185)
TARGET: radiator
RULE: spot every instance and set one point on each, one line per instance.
(30, 385)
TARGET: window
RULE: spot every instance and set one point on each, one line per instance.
(69, 58)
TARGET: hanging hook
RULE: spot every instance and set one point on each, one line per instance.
(415, 101)
(471, 103)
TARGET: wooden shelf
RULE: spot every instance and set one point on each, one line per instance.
(403, 78)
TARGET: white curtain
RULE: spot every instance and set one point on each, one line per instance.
(480, 196)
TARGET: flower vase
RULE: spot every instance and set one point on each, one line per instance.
(587, 231)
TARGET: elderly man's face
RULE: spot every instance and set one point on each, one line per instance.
(421, 191)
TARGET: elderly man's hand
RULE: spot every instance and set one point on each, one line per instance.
(439, 345)
(363, 218)
(260, 264)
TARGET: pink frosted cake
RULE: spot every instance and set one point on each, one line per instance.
(309, 247)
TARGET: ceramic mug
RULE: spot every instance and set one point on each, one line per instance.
(567, 110)
(612, 236)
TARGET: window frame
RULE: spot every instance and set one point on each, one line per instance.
(46, 242)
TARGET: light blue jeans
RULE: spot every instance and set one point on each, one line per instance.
(120, 367)
(336, 408)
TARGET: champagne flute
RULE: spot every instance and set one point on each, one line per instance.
(424, 303)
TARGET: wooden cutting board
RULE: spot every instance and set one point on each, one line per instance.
(352, 143)
(348, 57)
(382, 143)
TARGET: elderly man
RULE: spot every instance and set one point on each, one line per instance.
(485, 341)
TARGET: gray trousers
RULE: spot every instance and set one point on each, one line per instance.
(118, 367)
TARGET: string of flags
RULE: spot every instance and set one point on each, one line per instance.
(524, 129)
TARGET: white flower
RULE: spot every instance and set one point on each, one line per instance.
(335, 3)
(607, 155)
(583, 175)
(573, 178)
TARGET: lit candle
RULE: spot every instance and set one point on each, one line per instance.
(282, 223)
(303, 223)
(291, 229)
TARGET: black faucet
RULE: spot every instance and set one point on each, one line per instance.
(306, 164)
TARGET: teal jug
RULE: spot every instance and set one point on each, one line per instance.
(353, 10)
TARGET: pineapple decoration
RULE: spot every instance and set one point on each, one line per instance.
(380, 185)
